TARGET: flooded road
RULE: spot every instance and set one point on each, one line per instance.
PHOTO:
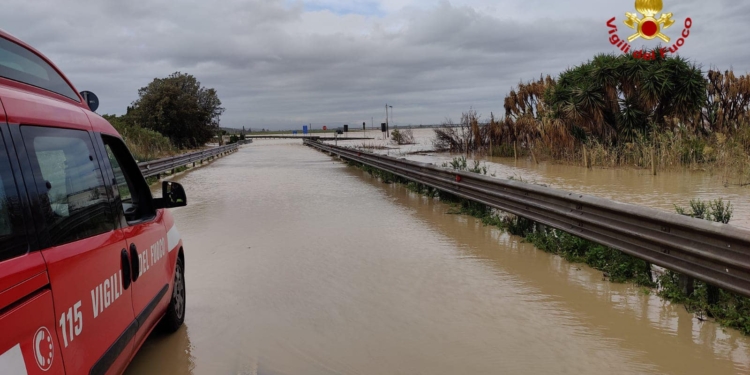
(298, 264)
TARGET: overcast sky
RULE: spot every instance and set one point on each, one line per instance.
(280, 63)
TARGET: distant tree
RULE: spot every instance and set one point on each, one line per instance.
(178, 107)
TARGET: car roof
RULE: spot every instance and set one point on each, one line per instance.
(27, 104)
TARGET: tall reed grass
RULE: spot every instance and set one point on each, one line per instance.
(637, 125)
(144, 144)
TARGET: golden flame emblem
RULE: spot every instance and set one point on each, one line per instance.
(648, 27)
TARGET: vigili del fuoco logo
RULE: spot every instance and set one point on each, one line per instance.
(646, 26)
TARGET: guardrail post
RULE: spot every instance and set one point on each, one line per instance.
(686, 284)
(712, 294)
(173, 170)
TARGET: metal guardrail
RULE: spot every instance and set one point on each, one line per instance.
(716, 253)
(312, 137)
(159, 166)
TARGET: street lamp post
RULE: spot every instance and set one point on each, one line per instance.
(387, 123)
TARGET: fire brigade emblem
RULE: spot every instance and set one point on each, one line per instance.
(43, 348)
(648, 27)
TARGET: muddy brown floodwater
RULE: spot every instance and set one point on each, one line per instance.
(676, 186)
(298, 264)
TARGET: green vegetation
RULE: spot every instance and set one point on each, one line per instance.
(729, 309)
(144, 144)
(460, 164)
(170, 115)
(235, 138)
(616, 265)
(617, 110)
(179, 108)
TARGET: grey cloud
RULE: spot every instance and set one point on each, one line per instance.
(274, 67)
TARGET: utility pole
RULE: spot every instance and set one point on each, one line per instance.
(387, 126)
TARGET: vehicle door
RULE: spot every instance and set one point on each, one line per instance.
(29, 342)
(145, 235)
(87, 261)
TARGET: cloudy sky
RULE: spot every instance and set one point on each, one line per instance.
(282, 63)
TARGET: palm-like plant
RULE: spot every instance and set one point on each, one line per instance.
(617, 97)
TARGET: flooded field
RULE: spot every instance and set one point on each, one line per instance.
(630, 185)
(298, 264)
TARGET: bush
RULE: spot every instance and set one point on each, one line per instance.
(144, 144)
(402, 137)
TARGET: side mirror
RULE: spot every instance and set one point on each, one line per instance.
(173, 195)
(91, 100)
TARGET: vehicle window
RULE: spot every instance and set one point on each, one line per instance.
(122, 184)
(12, 232)
(5, 227)
(74, 198)
(19, 64)
(134, 194)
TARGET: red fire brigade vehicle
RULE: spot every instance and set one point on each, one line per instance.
(90, 262)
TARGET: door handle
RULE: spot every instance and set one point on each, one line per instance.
(135, 262)
(125, 260)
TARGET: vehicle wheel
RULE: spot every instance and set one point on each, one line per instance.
(175, 315)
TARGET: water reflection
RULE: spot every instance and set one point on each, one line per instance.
(165, 354)
(637, 186)
(298, 264)
(632, 315)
